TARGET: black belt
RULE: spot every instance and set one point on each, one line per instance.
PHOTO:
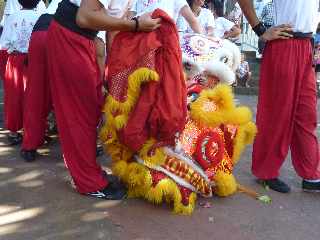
(66, 17)
(301, 35)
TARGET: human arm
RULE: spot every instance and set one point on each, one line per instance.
(230, 28)
(234, 32)
(273, 33)
(210, 24)
(210, 31)
(191, 19)
(92, 15)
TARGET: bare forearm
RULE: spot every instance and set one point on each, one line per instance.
(249, 11)
(191, 19)
(99, 20)
(196, 27)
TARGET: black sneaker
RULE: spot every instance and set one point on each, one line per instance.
(113, 180)
(47, 140)
(310, 186)
(276, 185)
(14, 139)
(28, 155)
(109, 193)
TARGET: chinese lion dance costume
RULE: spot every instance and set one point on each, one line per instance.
(162, 148)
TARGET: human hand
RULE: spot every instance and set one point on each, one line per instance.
(277, 32)
(148, 24)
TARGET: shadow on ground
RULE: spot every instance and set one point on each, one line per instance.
(37, 202)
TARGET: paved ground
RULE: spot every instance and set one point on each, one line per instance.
(37, 203)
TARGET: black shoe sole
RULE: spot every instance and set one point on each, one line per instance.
(28, 158)
(108, 198)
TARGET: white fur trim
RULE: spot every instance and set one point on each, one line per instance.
(221, 71)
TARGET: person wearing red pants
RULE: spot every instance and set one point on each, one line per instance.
(37, 96)
(75, 84)
(3, 62)
(287, 114)
(15, 38)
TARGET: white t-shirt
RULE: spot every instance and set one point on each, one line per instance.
(171, 7)
(205, 18)
(13, 6)
(115, 8)
(17, 31)
(222, 25)
(301, 14)
(118, 8)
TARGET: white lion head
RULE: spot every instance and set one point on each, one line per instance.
(209, 58)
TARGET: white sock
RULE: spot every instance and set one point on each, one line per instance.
(313, 181)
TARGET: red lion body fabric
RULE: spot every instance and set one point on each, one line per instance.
(161, 109)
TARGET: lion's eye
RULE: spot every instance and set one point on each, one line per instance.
(224, 59)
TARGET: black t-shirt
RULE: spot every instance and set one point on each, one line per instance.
(43, 22)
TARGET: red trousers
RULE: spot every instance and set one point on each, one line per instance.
(14, 87)
(287, 111)
(3, 62)
(77, 98)
(37, 95)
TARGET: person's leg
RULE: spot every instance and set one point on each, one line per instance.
(277, 101)
(74, 82)
(37, 97)
(101, 55)
(14, 87)
(3, 63)
(77, 99)
(304, 144)
(247, 79)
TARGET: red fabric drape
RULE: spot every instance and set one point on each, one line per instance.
(161, 109)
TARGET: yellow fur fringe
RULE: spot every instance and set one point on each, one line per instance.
(139, 182)
(245, 135)
(157, 159)
(226, 184)
(226, 111)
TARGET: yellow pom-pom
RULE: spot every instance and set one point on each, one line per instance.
(226, 184)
